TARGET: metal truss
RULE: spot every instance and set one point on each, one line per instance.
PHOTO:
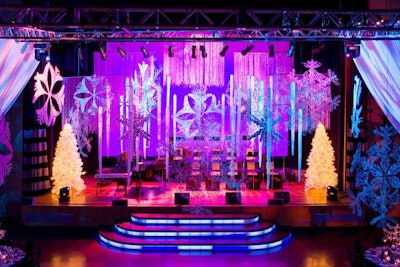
(59, 24)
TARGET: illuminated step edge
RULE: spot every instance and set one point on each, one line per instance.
(197, 247)
(194, 233)
(207, 221)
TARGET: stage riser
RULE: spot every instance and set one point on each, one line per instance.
(286, 215)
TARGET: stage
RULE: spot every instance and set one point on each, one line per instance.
(102, 206)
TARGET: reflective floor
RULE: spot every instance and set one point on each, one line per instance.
(77, 247)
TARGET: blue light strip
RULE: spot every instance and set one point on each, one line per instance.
(194, 221)
(194, 233)
(120, 245)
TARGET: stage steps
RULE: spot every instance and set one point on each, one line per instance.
(195, 232)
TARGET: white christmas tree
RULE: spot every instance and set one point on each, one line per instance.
(321, 170)
(67, 164)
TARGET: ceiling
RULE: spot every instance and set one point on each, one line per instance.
(65, 24)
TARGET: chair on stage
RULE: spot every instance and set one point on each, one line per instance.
(253, 175)
(213, 181)
(233, 177)
(194, 181)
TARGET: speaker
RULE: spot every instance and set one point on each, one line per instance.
(182, 198)
(276, 202)
(120, 203)
(285, 195)
(332, 193)
(26, 201)
(233, 198)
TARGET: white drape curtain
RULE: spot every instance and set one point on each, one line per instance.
(17, 64)
(379, 67)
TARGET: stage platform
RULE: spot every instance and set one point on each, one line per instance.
(104, 206)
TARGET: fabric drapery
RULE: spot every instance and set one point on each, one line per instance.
(379, 67)
(17, 65)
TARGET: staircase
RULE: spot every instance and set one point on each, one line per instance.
(195, 232)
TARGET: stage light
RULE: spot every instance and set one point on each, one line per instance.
(64, 194)
(291, 49)
(332, 193)
(42, 52)
(194, 51)
(352, 49)
(203, 51)
(224, 50)
(121, 52)
(102, 49)
(271, 51)
(171, 52)
(144, 52)
(247, 50)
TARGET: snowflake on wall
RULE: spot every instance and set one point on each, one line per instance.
(197, 116)
(378, 175)
(313, 94)
(6, 149)
(49, 88)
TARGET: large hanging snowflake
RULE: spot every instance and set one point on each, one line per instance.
(81, 127)
(6, 149)
(378, 175)
(313, 95)
(91, 93)
(198, 115)
(262, 123)
(49, 88)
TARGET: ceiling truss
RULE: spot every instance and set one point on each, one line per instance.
(59, 24)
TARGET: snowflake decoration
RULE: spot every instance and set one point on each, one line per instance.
(313, 94)
(49, 87)
(6, 149)
(136, 129)
(264, 127)
(378, 174)
(199, 118)
(81, 127)
(91, 93)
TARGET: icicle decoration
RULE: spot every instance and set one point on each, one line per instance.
(292, 115)
(356, 118)
(299, 143)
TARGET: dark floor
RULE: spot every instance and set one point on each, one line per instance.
(78, 247)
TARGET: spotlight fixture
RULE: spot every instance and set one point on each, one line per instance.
(42, 51)
(102, 49)
(224, 50)
(271, 49)
(247, 50)
(194, 51)
(121, 52)
(144, 52)
(291, 49)
(352, 49)
(64, 194)
(171, 51)
(203, 51)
